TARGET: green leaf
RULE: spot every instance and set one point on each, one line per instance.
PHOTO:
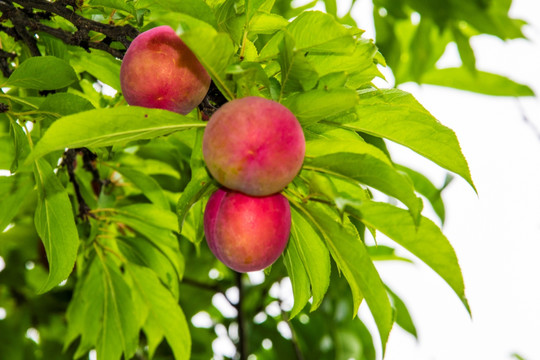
(313, 254)
(299, 278)
(151, 213)
(466, 52)
(115, 4)
(403, 318)
(7, 151)
(297, 73)
(426, 188)
(195, 8)
(317, 31)
(55, 225)
(199, 186)
(147, 185)
(354, 145)
(101, 65)
(381, 253)
(481, 82)
(425, 241)
(119, 333)
(20, 144)
(163, 311)
(85, 309)
(315, 105)
(371, 171)
(396, 115)
(42, 73)
(13, 191)
(264, 23)
(360, 60)
(215, 51)
(352, 258)
(141, 251)
(65, 104)
(104, 127)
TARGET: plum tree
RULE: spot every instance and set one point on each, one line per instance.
(160, 71)
(247, 233)
(254, 145)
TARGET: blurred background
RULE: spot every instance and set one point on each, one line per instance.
(496, 233)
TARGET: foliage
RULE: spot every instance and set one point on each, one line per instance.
(103, 242)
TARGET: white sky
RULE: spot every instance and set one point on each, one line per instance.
(497, 233)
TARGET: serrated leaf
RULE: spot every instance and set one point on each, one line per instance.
(481, 82)
(315, 105)
(352, 258)
(55, 225)
(403, 318)
(163, 311)
(396, 115)
(105, 127)
(215, 51)
(299, 278)
(371, 171)
(42, 73)
(426, 188)
(425, 241)
(314, 256)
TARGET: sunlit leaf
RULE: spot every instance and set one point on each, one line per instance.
(396, 115)
(481, 82)
(104, 127)
(42, 73)
(426, 241)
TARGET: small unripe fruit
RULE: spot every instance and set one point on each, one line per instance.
(254, 145)
(160, 71)
(247, 233)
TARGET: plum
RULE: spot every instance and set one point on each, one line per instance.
(247, 233)
(254, 145)
(160, 71)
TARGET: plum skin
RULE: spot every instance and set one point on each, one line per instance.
(160, 71)
(247, 233)
(254, 145)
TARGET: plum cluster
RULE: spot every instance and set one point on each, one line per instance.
(253, 147)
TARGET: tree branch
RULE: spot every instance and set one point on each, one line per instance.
(241, 347)
(27, 18)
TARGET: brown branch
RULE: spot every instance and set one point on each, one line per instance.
(213, 100)
(26, 18)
